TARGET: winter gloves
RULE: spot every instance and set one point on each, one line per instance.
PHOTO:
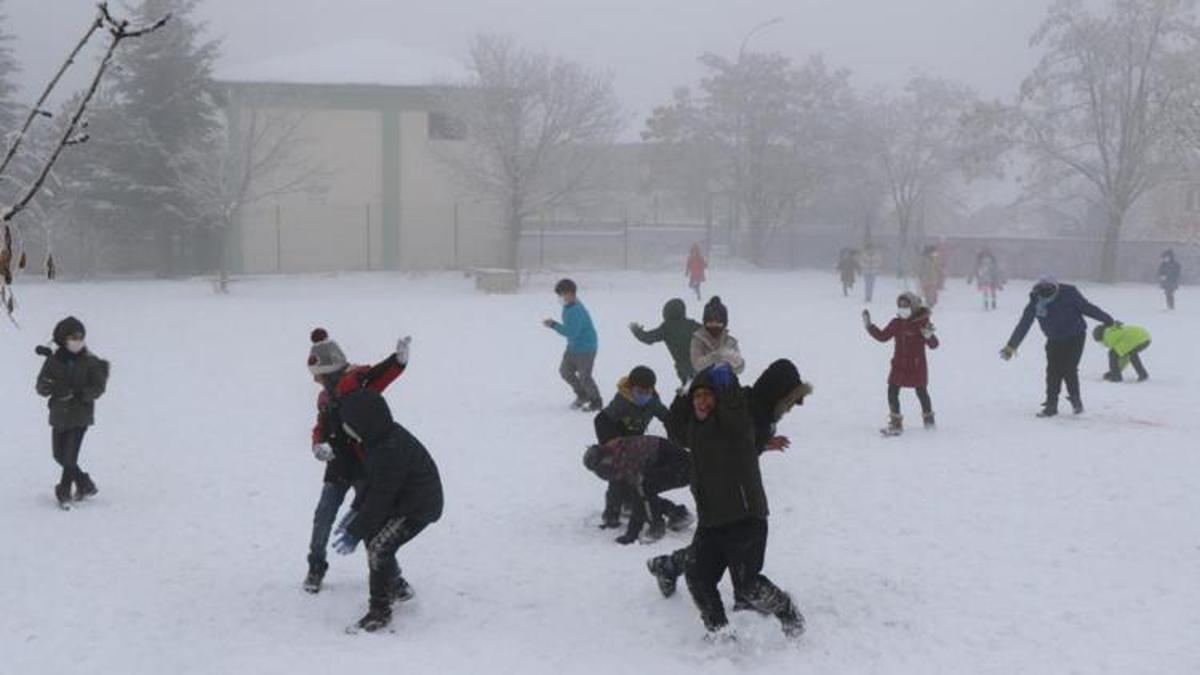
(721, 375)
(322, 451)
(345, 544)
(1008, 352)
(345, 522)
(928, 330)
(403, 349)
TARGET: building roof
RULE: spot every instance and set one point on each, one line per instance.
(355, 62)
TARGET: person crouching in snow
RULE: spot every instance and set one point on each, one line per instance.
(641, 468)
(401, 496)
(629, 414)
(582, 344)
(1125, 344)
(72, 378)
(912, 332)
(330, 445)
(713, 344)
(676, 331)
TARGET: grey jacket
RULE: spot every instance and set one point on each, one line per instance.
(708, 350)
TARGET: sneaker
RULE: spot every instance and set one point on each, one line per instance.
(377, 618)
(1077, 407)
(62, 493)
(1143, 378)
(659, 566)
(578, 404)
(792, 622)
(401, 590)
(654, 531)
(315, 576)
(680, 519)
(721, 635)
(1048, 410)
(593, 406)
(1109, 377)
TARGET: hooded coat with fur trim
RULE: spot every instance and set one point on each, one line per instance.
(909, 367)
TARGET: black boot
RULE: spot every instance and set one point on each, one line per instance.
(62, 492)
(401, 590)
(930, 422)
(1049, 409)
(316, 574)
(376, 618)
(84, 487)
(1077, 406)
(679, 519)
(665, 573)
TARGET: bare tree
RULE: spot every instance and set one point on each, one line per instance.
(924, 140)
(1103, 105)
(257, 153)
(118, 31)
(536, 129)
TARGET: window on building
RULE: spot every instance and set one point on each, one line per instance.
(446, 127)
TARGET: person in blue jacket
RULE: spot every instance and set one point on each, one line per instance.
(582, 345)
(1060, 310)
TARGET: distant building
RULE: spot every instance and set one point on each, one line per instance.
(375, 128)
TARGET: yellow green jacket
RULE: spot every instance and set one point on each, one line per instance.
(1124, 339)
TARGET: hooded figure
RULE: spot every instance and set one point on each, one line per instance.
(1169, 272)
(676, 331)
(773, 395)
(712, 344)
(72, 378)
(401, 497)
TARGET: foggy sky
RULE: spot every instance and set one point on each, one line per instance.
(649, 45)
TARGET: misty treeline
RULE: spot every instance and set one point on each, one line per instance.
(760, 143)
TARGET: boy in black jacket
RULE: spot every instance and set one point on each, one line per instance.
(628, 414)
(401, 497)
(72, 378)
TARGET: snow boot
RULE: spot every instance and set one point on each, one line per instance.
(930, 422)
(679, 519)
(376, 618)
(62, 493)
(84, 487)
(1048, 410)
(654, 531)
(401, 590)
(895, 426)
(664, 573)
(316, 574)
(593, 406)
(578, 403)
(792, 622)
(1076, 406)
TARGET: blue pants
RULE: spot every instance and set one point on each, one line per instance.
(869, 286)
(332, 496)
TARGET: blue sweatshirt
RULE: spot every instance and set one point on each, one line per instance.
(578, 328)
(1061, 318)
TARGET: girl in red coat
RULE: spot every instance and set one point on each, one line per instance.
(913, 332)
(696, 266)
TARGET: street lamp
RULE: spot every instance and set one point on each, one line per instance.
(739, 154)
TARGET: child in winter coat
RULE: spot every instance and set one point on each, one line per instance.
(848, 269)
(401, 497)
(932, 275)
(1169, 272)
(1125, 344)
(676, 331)
(341, 454)
(713, 344)
(912, 332)
(640, 468)
(72, 378)
(696, 267)
(987, 277)
(872, 263)
(629, 414)
(582, 344)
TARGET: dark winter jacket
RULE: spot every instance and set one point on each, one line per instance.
(346, 465)
(637, 468)
(1061, 317)
(401, 478)
(623, 417)
(779, 386)
(1168, 274)
(909, 367)
(676, 330)
(72, 383)
(726, 481)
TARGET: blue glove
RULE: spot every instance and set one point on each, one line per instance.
(345, 544)
(345, 522)
(721, 375)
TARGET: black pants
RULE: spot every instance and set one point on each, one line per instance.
(1062, 365)
(381, 557)
(1114, 363)
(671, 470)
(1170, 297)
(922, 396)
(66, 444)
(741, 548)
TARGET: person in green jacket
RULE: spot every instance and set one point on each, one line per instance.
(71, 378)
(1125, 344)
(676, 331)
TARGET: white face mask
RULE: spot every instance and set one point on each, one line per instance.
(904, 312)
(75, 346)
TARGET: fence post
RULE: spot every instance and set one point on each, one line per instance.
(542, 247)
(456, 260)
(368, 236)
(278, 240)
(626, 223)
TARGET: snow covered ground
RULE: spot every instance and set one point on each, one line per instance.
(1000, 543)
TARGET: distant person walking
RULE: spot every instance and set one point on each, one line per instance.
(871, 262)
(1169, 272)
(697, 266)
(931, 274)
(987, 277)
(848, 269)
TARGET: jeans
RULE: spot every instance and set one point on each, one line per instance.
(66, 444)
(381, 558)
(869, 286)
(1115, 365)
(1062, 365)
(576, 371)
(332, 496)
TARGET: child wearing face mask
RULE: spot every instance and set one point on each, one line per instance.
(912, 332)
(71, 378)
(712, 343)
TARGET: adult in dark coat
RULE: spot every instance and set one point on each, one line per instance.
(912, 331)
(72, 378)
(1060, 310)
(1169, 272)
(716, 424)
(676, 331)
(402, 496)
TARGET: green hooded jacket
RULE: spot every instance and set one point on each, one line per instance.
(1124, 339)
(676, 330)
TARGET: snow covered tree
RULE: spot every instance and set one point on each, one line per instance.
(536, 127)
(1105, 104)
(9, 68)
(760, 131)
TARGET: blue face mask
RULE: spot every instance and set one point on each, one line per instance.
(643, 400)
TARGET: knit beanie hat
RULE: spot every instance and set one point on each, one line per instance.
(643, 377)
(715, 312)
(325, 356)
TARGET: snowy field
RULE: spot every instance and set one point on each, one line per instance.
(998, 544)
